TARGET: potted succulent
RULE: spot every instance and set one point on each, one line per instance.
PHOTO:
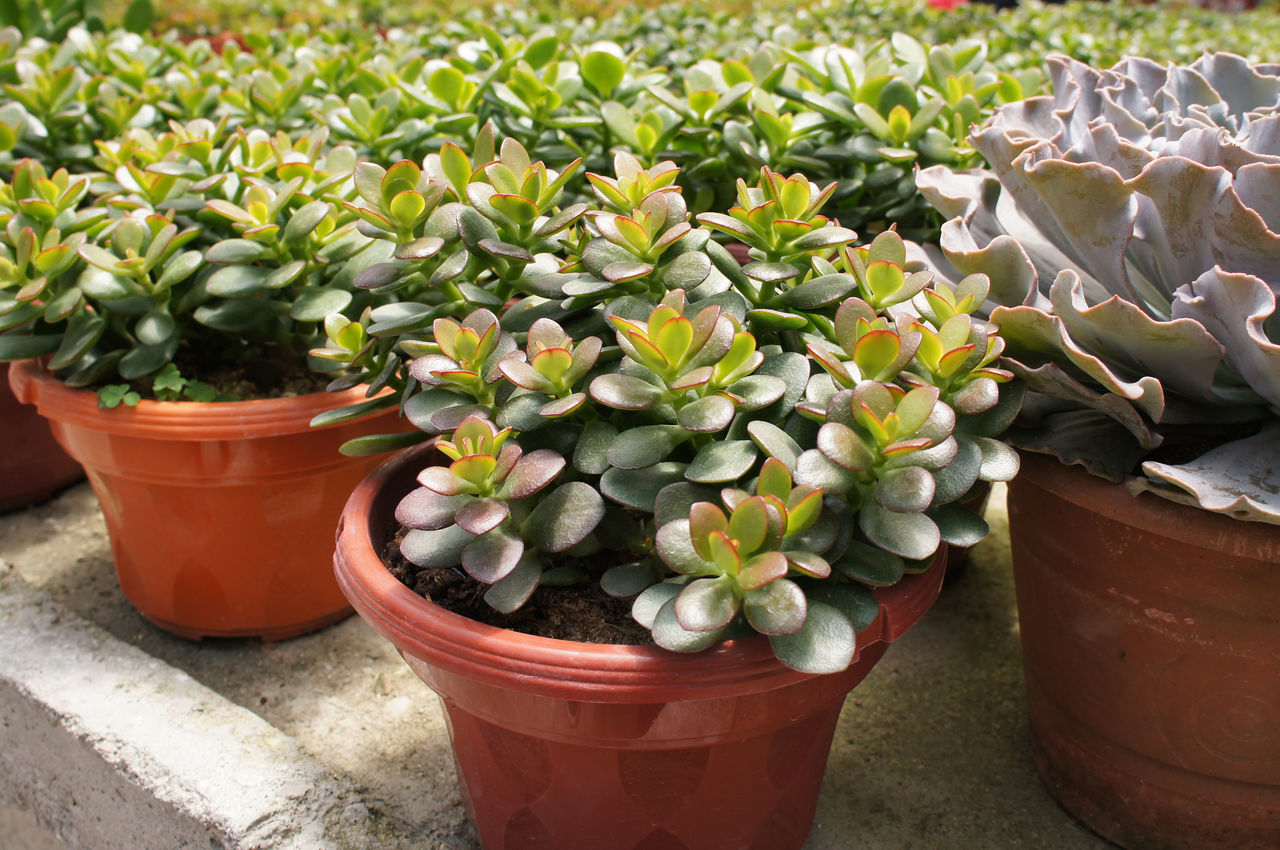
(1132, 219)
(622, 413)
(197, 268)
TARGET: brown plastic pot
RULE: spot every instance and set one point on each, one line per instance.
(1151, 643)
(32, 465)
(220, 515)
(579, 746)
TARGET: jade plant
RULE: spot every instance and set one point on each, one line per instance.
(735, 447)
(189, 250)
(1132, 220)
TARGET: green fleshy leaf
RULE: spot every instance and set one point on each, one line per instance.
(958, 525)
(236, 281)
(912, 535)
(856, 602)
(377, 444)
(627, 580)
(908, 489)
(870, 565)
(491, 557)
(564, 517)
(675, 500)
(644, 446)
(315, 303)
(775, 442)
(708, 414)
(669, 634)
(514, 590)
(824, 644)
(645, 608)
(706, 604)
(639, 488)
(439, 548)
(590, 456)
(778, 608)
(722, 462)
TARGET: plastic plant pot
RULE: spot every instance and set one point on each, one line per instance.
(221, 515)
(572, 745)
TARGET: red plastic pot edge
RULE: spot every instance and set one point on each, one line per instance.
(613, 673)
(171, 420)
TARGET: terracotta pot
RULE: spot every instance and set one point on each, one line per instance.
(1151, 641)
(32, 466)
(220, 515)
(580, 746)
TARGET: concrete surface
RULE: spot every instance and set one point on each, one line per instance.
(932, 749)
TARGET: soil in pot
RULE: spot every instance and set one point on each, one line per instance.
(569, 745)
(1151, 640)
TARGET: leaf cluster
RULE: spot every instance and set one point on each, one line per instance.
(759, 442)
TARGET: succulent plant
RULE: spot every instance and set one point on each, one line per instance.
(201, 246)
(1130, 229)
(754, 447)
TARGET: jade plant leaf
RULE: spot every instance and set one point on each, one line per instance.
(824, 644)
(564, 517)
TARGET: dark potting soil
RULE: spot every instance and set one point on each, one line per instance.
(581, 612)
(269, 373)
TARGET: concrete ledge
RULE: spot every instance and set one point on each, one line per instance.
(112, 748)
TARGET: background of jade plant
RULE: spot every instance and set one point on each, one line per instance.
(837, 90)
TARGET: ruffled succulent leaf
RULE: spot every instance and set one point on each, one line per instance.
(1233, 479)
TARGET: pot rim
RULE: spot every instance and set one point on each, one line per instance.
(1146, 510)
(612, 673)
(192, 421)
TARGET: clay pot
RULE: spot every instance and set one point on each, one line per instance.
(1151, 641)
(32, 466)
(220, 515)
(579, 746)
